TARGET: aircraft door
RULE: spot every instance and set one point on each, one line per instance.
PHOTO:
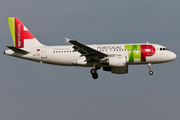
(44, 53)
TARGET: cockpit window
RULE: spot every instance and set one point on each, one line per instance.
(162, 49)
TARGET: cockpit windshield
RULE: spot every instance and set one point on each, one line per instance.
(162, 49)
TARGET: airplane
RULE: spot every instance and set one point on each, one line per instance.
(114, 58)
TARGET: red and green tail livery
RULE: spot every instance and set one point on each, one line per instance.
(19, 32)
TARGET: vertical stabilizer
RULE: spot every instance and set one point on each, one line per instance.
(21, 36)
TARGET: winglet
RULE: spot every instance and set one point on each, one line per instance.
(67, 39)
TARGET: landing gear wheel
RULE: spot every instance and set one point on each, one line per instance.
(93, 71)
(150, 72)
(95, 76)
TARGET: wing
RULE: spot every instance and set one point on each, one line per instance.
(88, 52)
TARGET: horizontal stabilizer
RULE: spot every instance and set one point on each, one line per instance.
(17, 50)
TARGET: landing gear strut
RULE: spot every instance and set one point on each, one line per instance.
(94, 72)
(150, 71)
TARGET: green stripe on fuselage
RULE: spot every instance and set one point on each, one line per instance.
(11, 21)
(134, 52)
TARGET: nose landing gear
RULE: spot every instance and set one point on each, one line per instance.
(150, 71)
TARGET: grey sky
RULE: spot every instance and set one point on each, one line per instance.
(34, 91)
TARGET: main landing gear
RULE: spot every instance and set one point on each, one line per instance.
(94, 72)
(150, 71)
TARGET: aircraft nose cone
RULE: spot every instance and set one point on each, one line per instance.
(173, 56)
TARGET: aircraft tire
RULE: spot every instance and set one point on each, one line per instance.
(95, 76)
(93, 71)
(150, 72)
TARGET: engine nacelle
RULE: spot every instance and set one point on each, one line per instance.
(118, 61)
(117, 70)
(80, 62)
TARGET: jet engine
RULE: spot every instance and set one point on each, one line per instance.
(119, 61)
(117, 70)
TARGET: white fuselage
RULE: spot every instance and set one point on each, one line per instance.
(65, 55)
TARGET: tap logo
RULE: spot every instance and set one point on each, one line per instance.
(19, 43)
(140, 52)
(19, 32)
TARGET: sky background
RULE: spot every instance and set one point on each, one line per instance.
(34, 91)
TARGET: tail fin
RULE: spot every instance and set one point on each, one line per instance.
(21, 36)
